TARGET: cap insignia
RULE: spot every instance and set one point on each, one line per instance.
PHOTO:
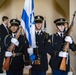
(38, 17)
(13, 20)
(61, 20)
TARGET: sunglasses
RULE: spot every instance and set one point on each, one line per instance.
(60, 24)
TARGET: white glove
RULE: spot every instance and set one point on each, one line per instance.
(68, 39)
(15, 41)
(28, 67)
(8, 54)
(63, 54)
(30, 50)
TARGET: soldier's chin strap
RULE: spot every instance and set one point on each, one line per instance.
(59, 29)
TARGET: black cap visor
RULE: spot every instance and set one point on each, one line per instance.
(13, 24)
(59, 24)
(38, 21)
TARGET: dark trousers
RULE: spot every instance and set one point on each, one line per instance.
(1, 62)
(55, 72)
(15, 73)
(38, 73)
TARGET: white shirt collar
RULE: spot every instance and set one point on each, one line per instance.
(13, 34)
(38, 31)
(59, 33)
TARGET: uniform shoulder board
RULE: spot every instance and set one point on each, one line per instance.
(52, 39)
(46, 35)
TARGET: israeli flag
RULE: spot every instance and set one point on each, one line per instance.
(27, 22)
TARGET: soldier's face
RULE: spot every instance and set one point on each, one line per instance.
(38, 26)
(14, 29)
(60, 28)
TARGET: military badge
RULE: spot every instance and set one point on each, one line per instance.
(49, 41)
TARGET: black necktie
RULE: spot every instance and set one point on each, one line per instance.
(37, 33)
(14, 35)
(61, 35)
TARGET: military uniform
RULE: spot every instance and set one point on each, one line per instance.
(40, 65)
(20, 56)
(41, 43)
(57, 43)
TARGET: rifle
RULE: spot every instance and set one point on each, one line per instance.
(45, 34)
(66, 46)
(45, 24)
(6, 64)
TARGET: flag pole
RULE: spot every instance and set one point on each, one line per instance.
(27, 23)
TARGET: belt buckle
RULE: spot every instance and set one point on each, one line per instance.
(37, 61)
(14, 54)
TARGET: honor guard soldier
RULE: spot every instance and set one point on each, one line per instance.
(19, 55)
(56, 51)
(3, 32)
(40, 65)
